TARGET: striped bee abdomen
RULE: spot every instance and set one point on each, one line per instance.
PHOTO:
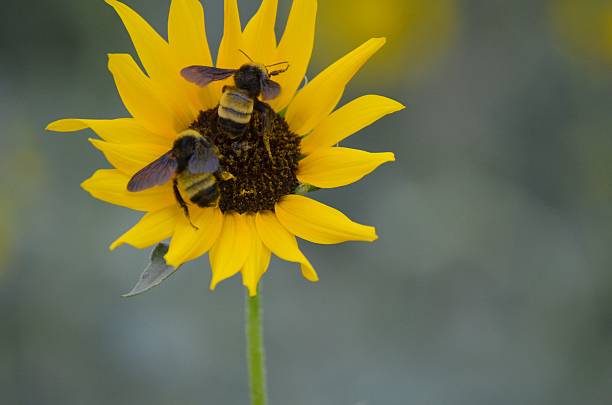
(200, 189)
(235, 109)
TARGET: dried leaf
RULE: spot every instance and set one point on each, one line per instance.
(157, 271)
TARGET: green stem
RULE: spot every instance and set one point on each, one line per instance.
(255, 351)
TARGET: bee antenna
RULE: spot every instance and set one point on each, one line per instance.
(278, 71)
(276, 64)
(245, 54)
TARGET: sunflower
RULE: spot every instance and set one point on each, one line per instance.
(262, 209)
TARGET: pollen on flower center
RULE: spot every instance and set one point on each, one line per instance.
(260, 178)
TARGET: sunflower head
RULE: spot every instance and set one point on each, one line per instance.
(263, 145)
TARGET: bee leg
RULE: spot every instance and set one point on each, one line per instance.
(266, 135)
(182, 203)
(266, 140)
(265, 111)
(225, 175)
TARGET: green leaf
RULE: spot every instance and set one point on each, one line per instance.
(157, 271)
(303, 189)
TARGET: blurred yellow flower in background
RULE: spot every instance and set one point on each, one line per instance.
(419, 31)
(164, 105)
(584, 30)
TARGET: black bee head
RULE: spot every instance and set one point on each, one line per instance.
(182, 150)
(249, 78)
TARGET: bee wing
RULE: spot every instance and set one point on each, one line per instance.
(203, 75)
(269, 89)
(154, 174)
(204, 159)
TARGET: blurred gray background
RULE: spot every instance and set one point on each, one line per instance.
(491, 282)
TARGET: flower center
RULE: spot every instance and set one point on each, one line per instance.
(259, 177)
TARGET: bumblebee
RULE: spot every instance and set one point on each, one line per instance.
(193, 164)
(252, 80)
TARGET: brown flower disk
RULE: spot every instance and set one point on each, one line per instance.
(260, 180)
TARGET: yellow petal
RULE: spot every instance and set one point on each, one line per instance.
(187, 33)
(319, 97)
(160, 64)
(129, 158)
(152, 49)
(256, 263)
(231, 249)
(189, 243)
(151, 229)
(282, 243)
(336, 167)
(188, 42)
(259, 39)
(319, 223)
(229, 57)
(110, 185)
(295, 47)
(140, 96)
(121, 130)
(347, 120)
